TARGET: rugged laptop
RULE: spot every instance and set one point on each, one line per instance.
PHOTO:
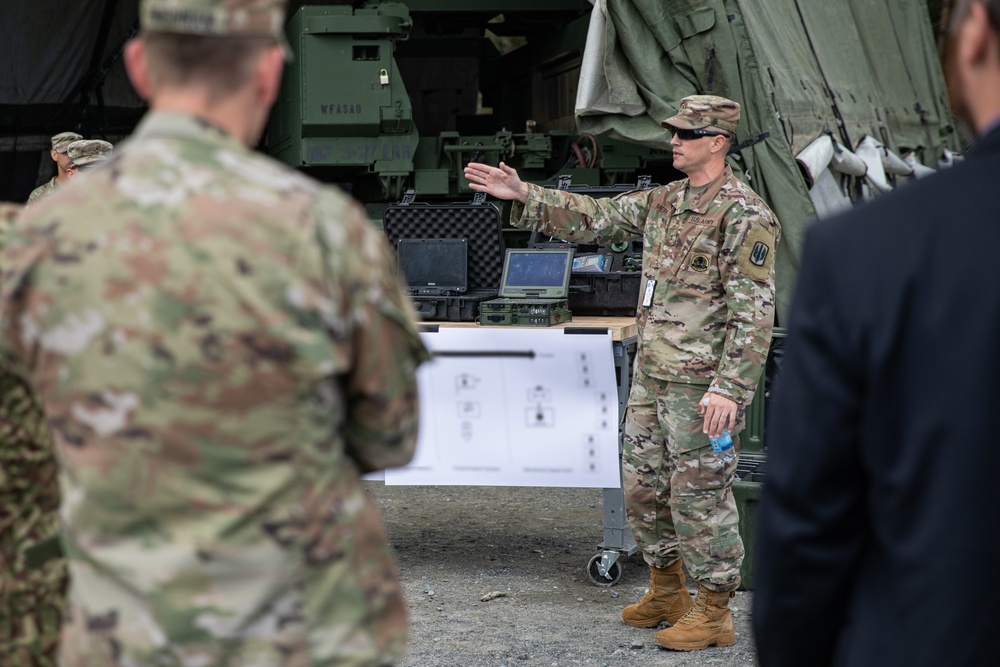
(534, 289)
(434, 267)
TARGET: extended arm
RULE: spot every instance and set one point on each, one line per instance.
(571, 217)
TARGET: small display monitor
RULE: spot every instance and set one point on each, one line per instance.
(434, 266)
(537, 274)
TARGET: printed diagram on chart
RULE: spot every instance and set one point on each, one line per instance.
(466, 431)
(539, 394)
(607, 411)
(465, 385)
(540, 417)
(516, 407)
(591, 454)
(539, 414)
(466, 381)
(468, 410)
(585, 370)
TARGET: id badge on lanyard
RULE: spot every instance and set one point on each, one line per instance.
(647, 297)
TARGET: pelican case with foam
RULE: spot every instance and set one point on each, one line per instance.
(480, 224)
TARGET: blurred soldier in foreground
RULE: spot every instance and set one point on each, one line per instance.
(222, 347)
(86, 154)
(60, 144)
(32, 571)
(705, 323)
(876, 545)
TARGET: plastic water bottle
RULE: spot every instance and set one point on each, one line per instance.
(723, 447)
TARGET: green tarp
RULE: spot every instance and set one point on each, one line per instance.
(801, 69)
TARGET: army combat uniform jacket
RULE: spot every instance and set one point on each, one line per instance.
(44, 190)
(710, 260)
(222, 347)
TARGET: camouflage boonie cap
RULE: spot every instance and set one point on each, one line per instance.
(61, 141)
(88, 151)
(218, 18)
(700, 112)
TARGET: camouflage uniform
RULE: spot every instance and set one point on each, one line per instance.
(60, 144)
(32, 573)
(221, 346)
(88, 152)
(44, 190)
(708, 328)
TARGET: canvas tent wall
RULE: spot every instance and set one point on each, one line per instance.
(858, 75)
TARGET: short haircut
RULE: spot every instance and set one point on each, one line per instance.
(222, 65)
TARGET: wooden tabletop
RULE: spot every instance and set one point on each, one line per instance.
(622, 328)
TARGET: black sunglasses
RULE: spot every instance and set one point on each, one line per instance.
(688, 135)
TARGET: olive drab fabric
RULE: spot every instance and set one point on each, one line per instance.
(799, 70)
(32, 571)
(222, 347)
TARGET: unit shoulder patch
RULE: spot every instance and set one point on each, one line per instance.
(757, 254)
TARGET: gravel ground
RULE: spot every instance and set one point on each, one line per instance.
(457, 545)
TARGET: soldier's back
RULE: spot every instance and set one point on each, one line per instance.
(191, 306)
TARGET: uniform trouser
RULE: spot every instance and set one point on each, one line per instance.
(32, 594)
(678, 493)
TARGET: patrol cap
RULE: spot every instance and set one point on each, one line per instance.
(88, 151)
(699, 112)
(61, 141)
(216, 18)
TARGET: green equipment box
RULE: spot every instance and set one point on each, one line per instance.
(547, 318)
(753, 459)
(523, 307)
(746, 492)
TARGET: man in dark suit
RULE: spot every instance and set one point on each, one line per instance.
(876, 542)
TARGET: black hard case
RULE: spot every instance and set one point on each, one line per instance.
(480, 225)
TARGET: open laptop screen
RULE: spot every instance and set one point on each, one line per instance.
(540, 274)
(434, 266)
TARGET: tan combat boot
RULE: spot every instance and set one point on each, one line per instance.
(708, 623)
(666, 600)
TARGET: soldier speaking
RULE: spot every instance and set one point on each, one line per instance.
(705, 321)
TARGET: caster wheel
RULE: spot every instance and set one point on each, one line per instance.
(613, 576)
